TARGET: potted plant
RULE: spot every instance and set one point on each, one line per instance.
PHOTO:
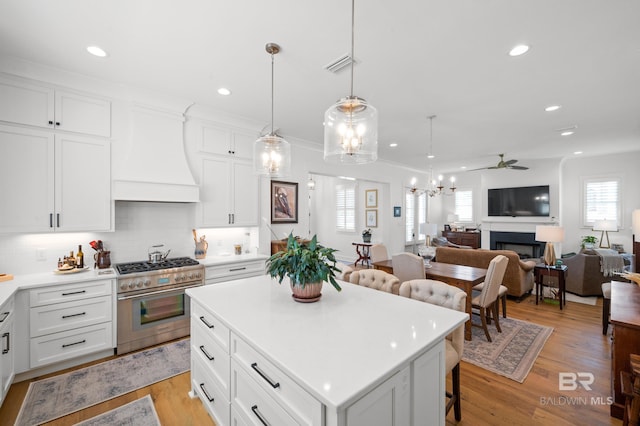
(307, 266)
(588, 242)
(366, 235)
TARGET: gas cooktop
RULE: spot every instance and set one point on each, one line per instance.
(145, 266)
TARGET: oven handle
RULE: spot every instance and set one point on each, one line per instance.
(137, 296)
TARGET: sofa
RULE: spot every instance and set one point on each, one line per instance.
(519, 275)
(584, 276)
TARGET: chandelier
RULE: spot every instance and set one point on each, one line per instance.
(351, 124)
(271, 153)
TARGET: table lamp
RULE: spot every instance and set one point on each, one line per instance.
(549, 235)
(605, 226)
(429, 230)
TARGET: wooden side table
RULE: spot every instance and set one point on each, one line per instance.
(558, 272)
(362, 249)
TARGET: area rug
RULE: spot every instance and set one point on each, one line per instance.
(512, 352)
(60, 395)
(140, 412)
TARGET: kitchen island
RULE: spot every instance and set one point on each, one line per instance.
(358, 357)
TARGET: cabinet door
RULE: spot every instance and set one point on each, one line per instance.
(7, 370)
(215, 192)
(25, 103)
(215, 140)
(83, 184)
(245, 195)
(82, 114)
(26, 180)
(243, 144)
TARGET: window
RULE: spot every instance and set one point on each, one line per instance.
(415, 214)
(464, 206)
(346, 207)
(600, 200)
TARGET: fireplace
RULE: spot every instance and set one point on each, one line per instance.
(523, 243)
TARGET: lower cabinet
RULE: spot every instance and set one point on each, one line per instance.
(234, 271)
(7, 349)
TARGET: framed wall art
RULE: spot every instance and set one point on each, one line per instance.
(371, 198)
(397, 211)
(372, 218)
(284, 202)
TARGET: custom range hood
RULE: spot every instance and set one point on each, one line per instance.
(151, 164)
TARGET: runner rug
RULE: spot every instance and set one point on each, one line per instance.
(512, 352)
(140, 412)
(60, 395)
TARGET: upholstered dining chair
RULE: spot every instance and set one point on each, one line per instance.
(441, 294)
(408, 266)
(378, 252)
(502, 295)
(487, 300)
(345, 271)
(376, 279)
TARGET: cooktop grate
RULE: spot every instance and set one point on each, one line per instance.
(144, 266)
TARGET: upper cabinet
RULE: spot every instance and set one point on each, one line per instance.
(219, 140)
(35, 105)
(54, 182)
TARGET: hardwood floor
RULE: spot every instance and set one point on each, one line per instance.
(576, 345)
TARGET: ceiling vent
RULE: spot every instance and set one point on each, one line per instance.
(340, 63)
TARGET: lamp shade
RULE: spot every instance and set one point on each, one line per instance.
(272, 156)
(351, 132)
(429, 229)
(452, 217)
(635, 222)
(605, 225)
(549, 234)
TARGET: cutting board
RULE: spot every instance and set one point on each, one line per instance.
(5, 277)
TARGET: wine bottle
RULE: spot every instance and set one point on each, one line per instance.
(79, 258)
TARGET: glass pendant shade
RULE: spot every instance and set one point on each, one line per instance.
(272, 156)
(351, 132)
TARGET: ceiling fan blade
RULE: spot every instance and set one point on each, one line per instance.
(481, 168)
(494, 167)
(509, 162)
(518, 168)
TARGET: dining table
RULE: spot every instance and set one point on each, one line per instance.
(461, 276)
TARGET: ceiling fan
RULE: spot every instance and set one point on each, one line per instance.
(509, 164)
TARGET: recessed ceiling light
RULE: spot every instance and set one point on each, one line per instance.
(431, 156)
(463, 167)
(567, 133)
(552, 108)
(96, 51)
(578, 152)
(224, 91)
(518, 50)
(393, 145)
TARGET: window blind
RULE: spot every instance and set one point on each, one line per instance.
(464, 205)
(601, 200)
(346, 207)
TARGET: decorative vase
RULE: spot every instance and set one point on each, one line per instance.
(366, 238)
(311, 292)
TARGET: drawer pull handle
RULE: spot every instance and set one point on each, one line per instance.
(238, 269)
(74, 315)
(75, 343)
(8, 336)
(209, 357)
(206, 323)
(205, 392)
(74, 292)
(4, 316)
(259, 416)
(264, 376)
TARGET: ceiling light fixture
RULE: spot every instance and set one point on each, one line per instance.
(552, 108)
(224, 91)
(351, 124)
(430, 154)
(393, 145)
(518, 50)
(567, 133)
(271, 153)
(96, 51)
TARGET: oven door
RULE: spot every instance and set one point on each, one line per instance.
(146, 318)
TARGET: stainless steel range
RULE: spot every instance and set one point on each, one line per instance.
(152, 305)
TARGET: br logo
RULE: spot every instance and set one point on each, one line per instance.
(569, 381)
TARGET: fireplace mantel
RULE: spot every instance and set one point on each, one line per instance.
(512, 224)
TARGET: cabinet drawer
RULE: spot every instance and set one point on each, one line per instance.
(253, 404)
(67, 292)
(245, 269)
(216, 331)
(57, 317)
(212, 355)
(304, 407)
(69, 344)
(206, 387)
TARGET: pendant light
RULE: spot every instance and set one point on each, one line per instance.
(351, 124)
(271, 153)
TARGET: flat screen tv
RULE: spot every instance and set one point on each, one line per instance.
(520, 201)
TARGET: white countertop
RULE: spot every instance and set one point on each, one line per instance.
(215, 260)
(336, 347)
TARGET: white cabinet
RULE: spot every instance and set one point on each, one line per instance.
(234, 271)
(26, 102)
(226, 141)
(7, 347)
(228, 193)
(54, 182)
(70, 320)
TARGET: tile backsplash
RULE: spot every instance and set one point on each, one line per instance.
(138, 226)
